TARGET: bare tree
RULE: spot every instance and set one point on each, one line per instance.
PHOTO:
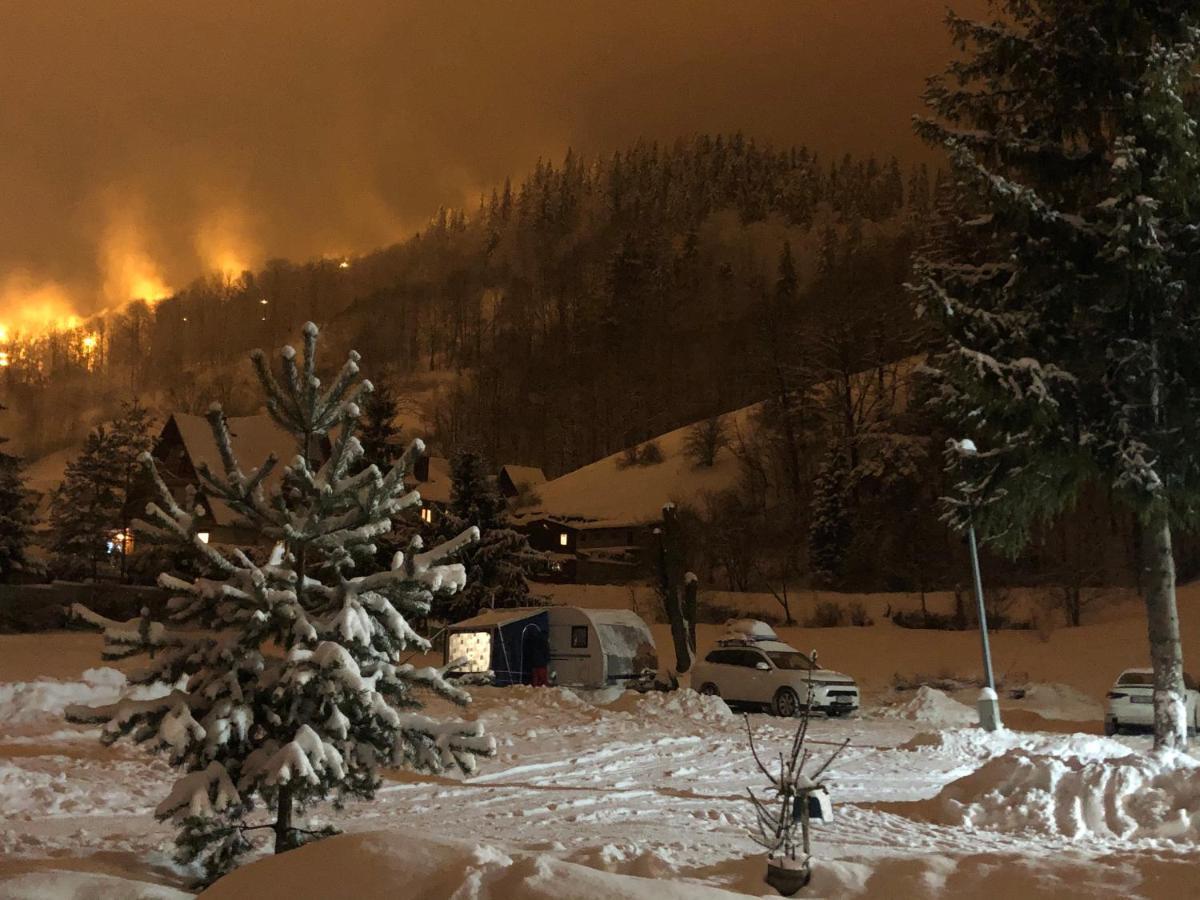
(782, 821)
(705, 440)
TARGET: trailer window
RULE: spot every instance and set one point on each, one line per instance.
(1136, 679)
(579, 637)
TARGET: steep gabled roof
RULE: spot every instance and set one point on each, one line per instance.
(519, 475)
(437, 484)
(253, 438)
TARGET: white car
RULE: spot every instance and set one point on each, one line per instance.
(774, 674)
(1131, 702)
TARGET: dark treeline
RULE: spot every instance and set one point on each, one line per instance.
(598, 303)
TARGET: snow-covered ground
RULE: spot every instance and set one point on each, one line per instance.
(624, 795)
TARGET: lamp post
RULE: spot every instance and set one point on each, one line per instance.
(988, 703)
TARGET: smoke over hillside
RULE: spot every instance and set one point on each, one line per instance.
(145, 143)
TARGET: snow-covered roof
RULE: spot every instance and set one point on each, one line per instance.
(622, 632)
(496, 617)
(520, 475)
(436, 487)
(253, 438)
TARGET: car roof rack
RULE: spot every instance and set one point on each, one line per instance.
(741, 641)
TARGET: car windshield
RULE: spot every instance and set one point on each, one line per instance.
(1129, 679)
(789, 659)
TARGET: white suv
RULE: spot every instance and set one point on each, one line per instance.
(1131, 702)
(774, 674)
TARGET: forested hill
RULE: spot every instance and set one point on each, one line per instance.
(595, 303)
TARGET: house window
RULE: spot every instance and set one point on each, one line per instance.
(563, 539)
(579, 637)
(427, 515)
(203, 535)
(120, 541)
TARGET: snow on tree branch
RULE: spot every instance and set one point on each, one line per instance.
(286, 686)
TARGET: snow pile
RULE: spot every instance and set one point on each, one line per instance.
(933, 707)
(370, 865)
(1062, 702)
(1129, 797)
(60, 884)
(976, 743)
(673, 705)
(22, 702)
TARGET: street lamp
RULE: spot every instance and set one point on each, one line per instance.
(988, 703)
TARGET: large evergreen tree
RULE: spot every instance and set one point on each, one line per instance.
(498, 562)
(16, 514)
(1069, 319)
(133, 436)
(380, 436)
(830, 529)
(90, 520)
(85, 510)
(287, 686)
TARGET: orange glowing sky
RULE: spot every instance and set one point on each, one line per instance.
(143, 143)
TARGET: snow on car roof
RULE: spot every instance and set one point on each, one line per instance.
(751, 628)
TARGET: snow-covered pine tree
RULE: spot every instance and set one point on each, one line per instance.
(380, 436)
(16, 514)
(86, 508)
(829, 530)
(288, 687)
(496, 564)
(133, 436)
(1070, 322)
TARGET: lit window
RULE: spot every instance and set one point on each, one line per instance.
(563, 539)
(427, 515)
(475, 647)
(203, 535)
(120, 541)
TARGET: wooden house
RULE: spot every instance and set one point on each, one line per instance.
(186, 442)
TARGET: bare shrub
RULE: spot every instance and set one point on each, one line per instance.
(827, 614)
(858, 615)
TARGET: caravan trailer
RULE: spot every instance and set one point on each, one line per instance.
(588, 647)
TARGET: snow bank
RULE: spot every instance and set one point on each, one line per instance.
(23, 702)
(373, 864)
(58, 884)
(1129, 797)
(681, 704)
(528, 704)
(975, 742)
(1062, 702)
(933, 707)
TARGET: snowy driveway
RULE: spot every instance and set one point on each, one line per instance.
(654, 786)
